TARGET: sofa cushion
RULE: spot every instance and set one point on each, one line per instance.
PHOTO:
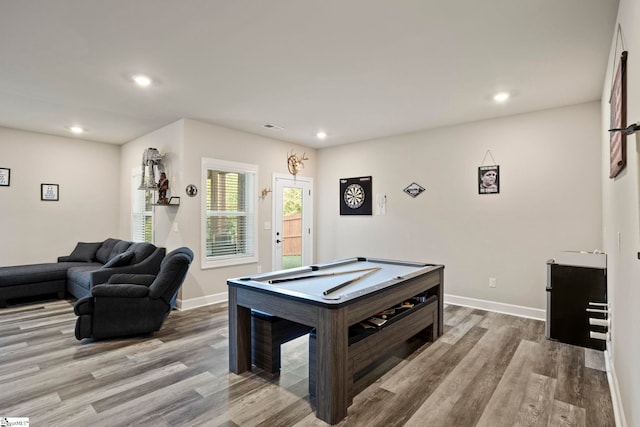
(119, 248)
(141, 251)
(35, 273)
(84, 252)
(81, 275)
(119, 260)
(102, 255)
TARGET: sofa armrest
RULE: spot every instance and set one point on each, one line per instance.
(132, 279)
(120, 291)
(83, 306)
(65, 258)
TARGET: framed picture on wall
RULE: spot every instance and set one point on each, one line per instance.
(489, 179)
(49, 192)
(618, 106)
(5, 177)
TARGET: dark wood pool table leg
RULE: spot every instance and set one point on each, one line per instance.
(332, 366)
(239, 335)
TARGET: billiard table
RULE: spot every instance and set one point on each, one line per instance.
(331, 298)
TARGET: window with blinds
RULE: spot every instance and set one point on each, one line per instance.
(229, 217)
(141, 212)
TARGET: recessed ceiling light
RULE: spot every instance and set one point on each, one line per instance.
(501, 96)
(77, 129)
(142, 80)
(321, 135)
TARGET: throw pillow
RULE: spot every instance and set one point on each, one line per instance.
(84, 252)
(119, 260)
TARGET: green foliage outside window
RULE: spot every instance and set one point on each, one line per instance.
(292, 201)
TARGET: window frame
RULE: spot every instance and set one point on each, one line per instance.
(251, 171)
(136, 176)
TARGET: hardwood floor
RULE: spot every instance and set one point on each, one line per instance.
(488, 369)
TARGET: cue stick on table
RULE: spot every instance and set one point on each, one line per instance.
(350, 281)
(311, 276)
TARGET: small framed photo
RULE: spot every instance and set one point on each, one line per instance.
(49, 192)
(5, 177)
(489, 179)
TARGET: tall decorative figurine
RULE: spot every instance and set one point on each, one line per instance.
(151, 161)
(163, 186)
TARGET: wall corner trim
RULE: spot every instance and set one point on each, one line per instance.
(616, 401)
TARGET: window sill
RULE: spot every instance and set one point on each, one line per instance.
(208, 263)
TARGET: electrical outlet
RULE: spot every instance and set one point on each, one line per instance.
(492, 282)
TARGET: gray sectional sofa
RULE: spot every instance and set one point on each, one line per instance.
(88, 265)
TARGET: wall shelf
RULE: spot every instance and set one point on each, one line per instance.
(173, 201)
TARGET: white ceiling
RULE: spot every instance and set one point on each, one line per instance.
(358, 69)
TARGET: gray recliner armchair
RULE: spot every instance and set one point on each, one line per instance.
(132, 304)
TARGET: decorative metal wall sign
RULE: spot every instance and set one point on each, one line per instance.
(355, 196)
(414, 190)
(191, 190)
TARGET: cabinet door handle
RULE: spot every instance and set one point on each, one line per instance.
(599, 322)
(599, 336)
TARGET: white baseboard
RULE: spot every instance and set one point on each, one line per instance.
(202, 301)
(618, 411)
(515, 310)
(498, 307)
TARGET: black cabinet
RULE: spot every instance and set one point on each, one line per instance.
(570, 289)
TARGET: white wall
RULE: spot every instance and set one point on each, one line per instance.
(550, 194)
(621, 217)
(35, 231)
(188, 141)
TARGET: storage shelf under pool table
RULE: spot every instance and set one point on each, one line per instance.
(366, 348)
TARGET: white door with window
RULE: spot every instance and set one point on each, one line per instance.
(292, 221)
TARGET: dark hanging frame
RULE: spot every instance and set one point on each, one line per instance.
(5, 177)
(618, 106)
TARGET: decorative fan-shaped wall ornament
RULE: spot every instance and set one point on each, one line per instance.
(295, 163)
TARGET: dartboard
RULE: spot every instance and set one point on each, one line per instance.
(354, 196)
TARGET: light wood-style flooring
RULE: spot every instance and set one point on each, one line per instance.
(488, 369)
